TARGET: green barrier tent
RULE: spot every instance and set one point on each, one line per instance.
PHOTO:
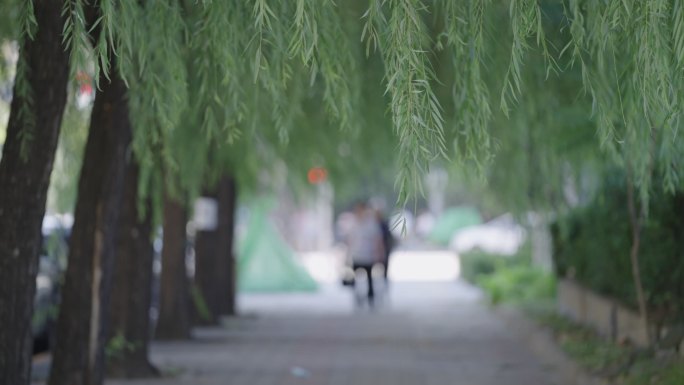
(452, 220)
(266, 263)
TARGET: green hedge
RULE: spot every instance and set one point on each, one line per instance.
(592, 244)
(477, 264)
(508, 279)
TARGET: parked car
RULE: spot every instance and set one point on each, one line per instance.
(501, 236)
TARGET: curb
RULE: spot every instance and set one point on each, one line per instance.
(543, 344)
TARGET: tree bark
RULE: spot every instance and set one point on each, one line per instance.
(206, 242)
(214, 261)
(636, 219)
(81, 327)
(226, 228)
(24, 183)
(174, 293)
(132, 297)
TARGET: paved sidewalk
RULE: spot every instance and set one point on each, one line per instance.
(422, 334)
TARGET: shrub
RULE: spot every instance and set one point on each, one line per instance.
(476, 264)
(592, 244)
(624, 363)
(508, 279)
(518, 284)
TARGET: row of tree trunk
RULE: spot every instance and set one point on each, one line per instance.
(111, 241)
(107, 290)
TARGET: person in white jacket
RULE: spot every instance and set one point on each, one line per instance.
(365, 244)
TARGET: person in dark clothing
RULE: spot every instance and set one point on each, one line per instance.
(364, 244)
(387, 242)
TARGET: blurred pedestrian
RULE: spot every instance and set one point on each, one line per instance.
(387, 241)
(365, 244)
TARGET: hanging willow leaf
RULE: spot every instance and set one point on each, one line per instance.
(224, 66)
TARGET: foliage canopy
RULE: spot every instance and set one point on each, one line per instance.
(212, 71)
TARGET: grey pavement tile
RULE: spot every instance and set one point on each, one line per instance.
(430, 334)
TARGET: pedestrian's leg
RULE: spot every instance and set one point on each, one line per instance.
(369, 273)
(386, 272)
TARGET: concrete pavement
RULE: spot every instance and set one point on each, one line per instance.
(420, 334)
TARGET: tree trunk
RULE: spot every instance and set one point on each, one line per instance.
(206, 243)
(226, 229)
(81, 327)
(214, 261)
(636, 220)
(131, 301)
(174, 293)
(24, 183)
